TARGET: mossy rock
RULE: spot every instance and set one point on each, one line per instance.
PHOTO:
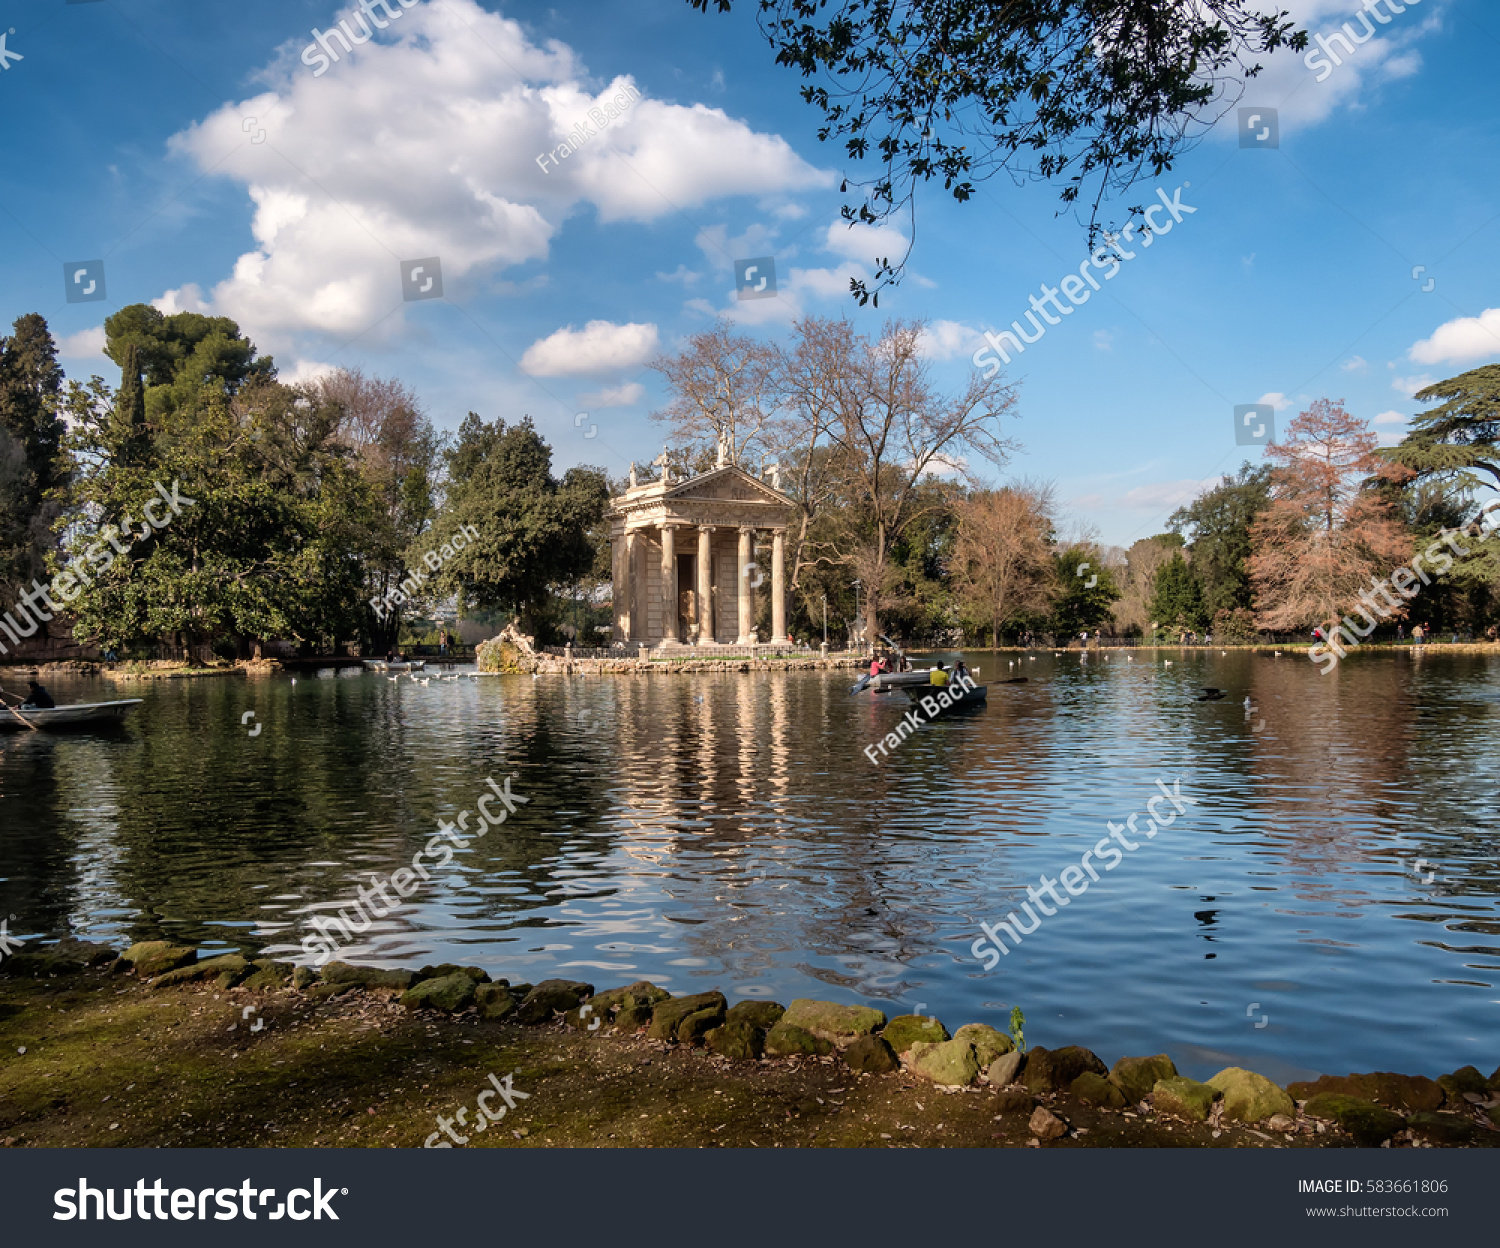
(642, 992)
(374, 977)
(552, 996)
(324, 992)
(1183, 1098)
(1006, 1069)
(1405, 1092)
(871, 1055)
(699, 1023)
(762, 1014)
(151, 958)
(449, 993)
(787, 1040)
(1136, 1076)
(494, 1001)
(304, 977)
(1494, 1080)
(477, 973)
(1370, 1124)
(633, 1017)
(268, 975)
(667, 1015)
(737, 1039)
(988, 1043)
(68, 956)
(905, 1030)
(1464, 1079)
(1094, 1089)
(1249, 1097)
(230, 966)
(838, 1023)
(1441, 1128)
(1052, 1070)
(950, 1064)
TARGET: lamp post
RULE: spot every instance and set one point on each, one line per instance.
(825, 619)
(856, 613)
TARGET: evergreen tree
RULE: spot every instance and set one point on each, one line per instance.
(129, 436)
(533, 530)
(33, 462)
(1176, 600)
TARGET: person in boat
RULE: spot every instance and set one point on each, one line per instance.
(939, 676)
(961, 673)
(877, 666)
(37, 699)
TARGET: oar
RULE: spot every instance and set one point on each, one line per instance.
(15, 712)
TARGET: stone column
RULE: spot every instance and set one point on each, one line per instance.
(705, 585)
(668, 584)
(632, 623)
(746, 593)
(778, 588)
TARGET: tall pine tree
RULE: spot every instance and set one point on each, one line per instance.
(32, 461)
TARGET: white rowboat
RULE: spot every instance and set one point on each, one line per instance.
(77, 715)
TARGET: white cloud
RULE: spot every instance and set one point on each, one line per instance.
(1355, 364)
(614, 396)
(683, 274)
(721, 251)
(1287, 84)
(1164, 494)
(864, 242)
(1104, 340)
(1410, 385)
(423, 143)
(1276, 399)
(303, 371)
(599, 347)
(1390, 418)
(948, 340)
(85, 344)
(1462, 340)
(188, 298)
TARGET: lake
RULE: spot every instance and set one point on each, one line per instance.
(1331, 903)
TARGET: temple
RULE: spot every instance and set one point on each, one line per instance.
(685, 563)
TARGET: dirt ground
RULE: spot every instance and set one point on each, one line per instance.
(96, 1060)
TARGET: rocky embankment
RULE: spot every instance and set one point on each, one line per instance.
(840, 1074)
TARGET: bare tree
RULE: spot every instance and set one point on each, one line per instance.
(1002, 563)
(1137, 581)
(723, 387)
(1326, 533)
(892, 432)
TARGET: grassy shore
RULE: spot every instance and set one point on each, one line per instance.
(95, 1058)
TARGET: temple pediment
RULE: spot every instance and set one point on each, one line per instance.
(726, 495)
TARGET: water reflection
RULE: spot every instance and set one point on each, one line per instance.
(1340, 874)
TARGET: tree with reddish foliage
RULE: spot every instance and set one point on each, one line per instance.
(1327, 536)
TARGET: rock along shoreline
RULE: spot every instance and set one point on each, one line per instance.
(754, 1073)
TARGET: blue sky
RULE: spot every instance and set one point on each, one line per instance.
(191, 149)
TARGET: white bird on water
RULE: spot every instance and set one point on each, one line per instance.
(1169, 662)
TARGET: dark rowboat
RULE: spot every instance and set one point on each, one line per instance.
(971, 697)
(80, 714)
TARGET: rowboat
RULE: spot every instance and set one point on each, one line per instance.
(380, 665)
(946, 698)
(78, 715)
